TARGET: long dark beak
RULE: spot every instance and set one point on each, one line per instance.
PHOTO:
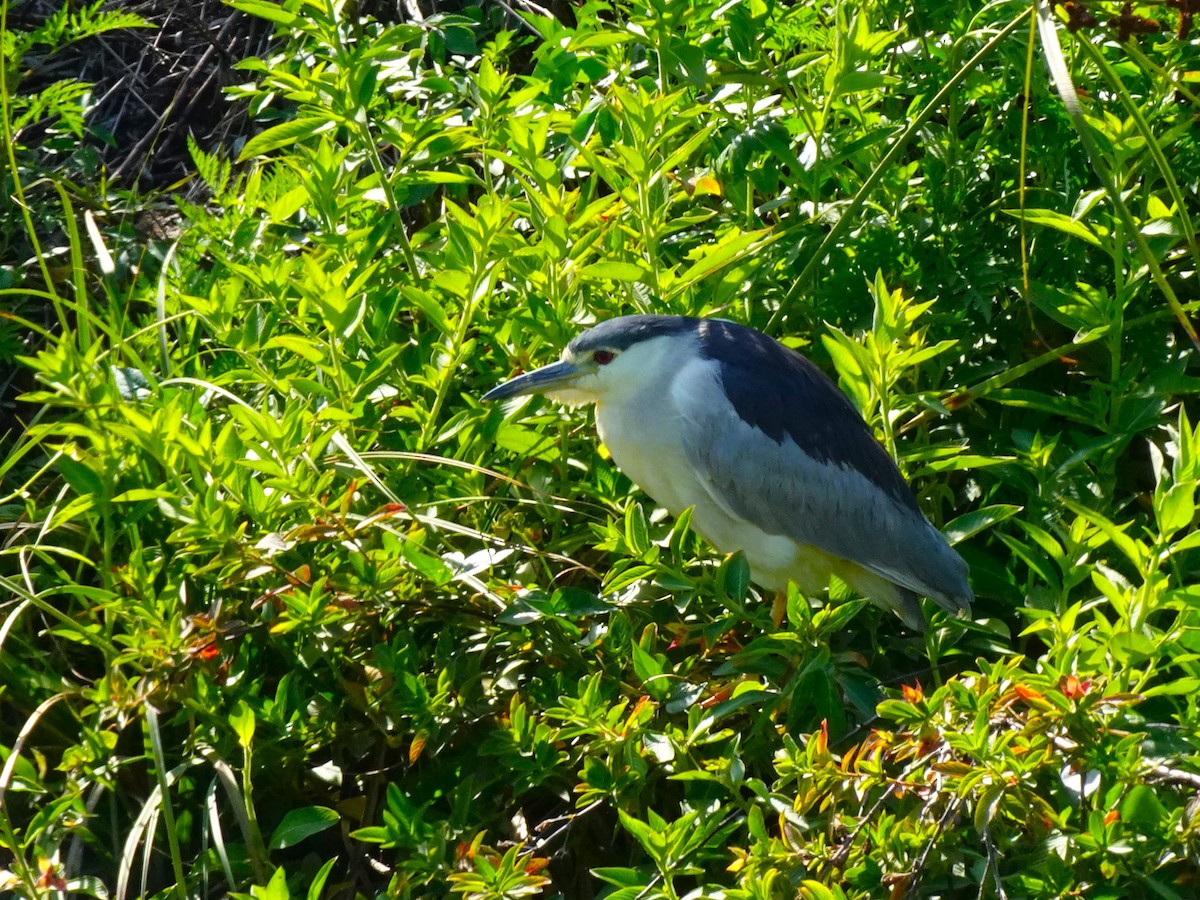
(547, 378)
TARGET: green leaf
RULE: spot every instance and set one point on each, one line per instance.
(317, 886)
(1189, 541)
(637, 532)
(651, 840)
(371, 834)
(851, 360)
(426, 564)
(276, 889)
(1142, 809)
(525, 442)
(854, 82)
(272, 12)
(1134, 550)
(986, 806)
(429, 307)
(748, 698)
(1058, 221)
(834, 617)
(241, 719)
(680, 532)
(714, 257)
(298, 345)
(284, 135)
(82, 479)
(735, 576)
(619, 580)
(137, 495)
(970, 524)
(953, 461)
(1055, 404)
(299, 824)
(621, 877)
(1175, 507)
(649, 671)
(1186, 686)
(814, 890)
(613, 271)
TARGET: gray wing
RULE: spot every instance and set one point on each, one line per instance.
(824, 499)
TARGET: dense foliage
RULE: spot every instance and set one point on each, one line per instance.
(287, 611)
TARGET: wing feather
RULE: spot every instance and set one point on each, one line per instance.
(782, 489)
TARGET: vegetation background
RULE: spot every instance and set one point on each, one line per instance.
(285, 611)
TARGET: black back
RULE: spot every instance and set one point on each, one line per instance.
(781, 393)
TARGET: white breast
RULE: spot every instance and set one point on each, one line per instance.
(644, 436)
(647, 439)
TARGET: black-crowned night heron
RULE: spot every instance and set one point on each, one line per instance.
(774, 459)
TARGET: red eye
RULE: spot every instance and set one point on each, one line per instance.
(603, 357)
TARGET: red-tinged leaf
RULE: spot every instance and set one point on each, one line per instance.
(1029, 695)
(718, 696)
(301, 575)
(417, 747)
(1073, 687)
(536, 864)
(822, 738)
(636, 713)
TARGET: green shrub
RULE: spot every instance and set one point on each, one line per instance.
(290, 611)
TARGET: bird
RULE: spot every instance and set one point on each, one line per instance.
(772, 457)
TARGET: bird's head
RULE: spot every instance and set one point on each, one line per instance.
(618, 358)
